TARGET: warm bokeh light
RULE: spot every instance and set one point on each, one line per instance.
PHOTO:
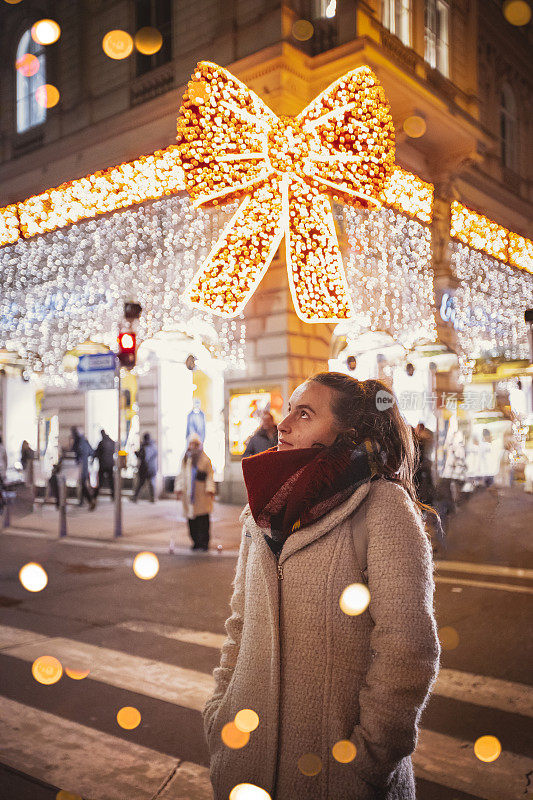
(246, 720)
(45, 31)
(77, 672)
(487, 748)
(231, 145)
(117, 44)
(12, 2)
(27, 65)
(47, 670)
(233, 737)
(414, 126)
(128, 718)
(146, 565)
(517, 12)
(302, 30)
(148, 41)
(47, 95)
(448, 637)
(354, 599)
(248, 791)
(64, 795)
(344, 751)
(33, 577)
(310, 764)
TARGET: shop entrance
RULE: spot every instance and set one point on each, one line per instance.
(188, 382)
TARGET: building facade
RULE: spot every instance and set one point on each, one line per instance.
(439, 276)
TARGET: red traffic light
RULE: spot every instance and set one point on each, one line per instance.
(127, 346)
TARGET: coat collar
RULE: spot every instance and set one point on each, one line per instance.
(310, 533)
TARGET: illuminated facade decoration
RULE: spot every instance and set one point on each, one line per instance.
(481, 233)
(9, 224)
(148, 177)
(489, 307)
(388, 267)
(407, 193)
(62, 287)
(231, 144)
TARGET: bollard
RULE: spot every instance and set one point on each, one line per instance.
(6, 517)
(62, 497)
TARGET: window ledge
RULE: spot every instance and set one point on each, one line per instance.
(27, 141)
(152, 84)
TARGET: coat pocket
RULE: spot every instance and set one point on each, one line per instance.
(219, 719)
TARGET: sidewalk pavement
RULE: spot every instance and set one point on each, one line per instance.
(492, 526)
(145, 525)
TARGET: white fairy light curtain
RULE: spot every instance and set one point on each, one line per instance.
(489, 307)
(388, 269)
(68, 286)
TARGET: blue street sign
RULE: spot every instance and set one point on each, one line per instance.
(96, 362)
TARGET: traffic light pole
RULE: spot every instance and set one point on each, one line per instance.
(117, 477)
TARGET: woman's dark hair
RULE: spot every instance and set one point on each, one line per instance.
(369, 410)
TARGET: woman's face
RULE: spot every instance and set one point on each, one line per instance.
(310, 420)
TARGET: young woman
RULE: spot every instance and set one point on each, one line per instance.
(342, 474)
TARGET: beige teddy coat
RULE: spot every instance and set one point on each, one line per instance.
(315, 675)
(204, 491)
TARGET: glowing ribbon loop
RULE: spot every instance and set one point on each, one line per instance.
(231, 144)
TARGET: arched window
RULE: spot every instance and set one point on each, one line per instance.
(29, 112)
(508, 127)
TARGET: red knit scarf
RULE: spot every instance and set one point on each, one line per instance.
(288, 489)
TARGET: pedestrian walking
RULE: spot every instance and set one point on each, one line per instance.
(27, 455)
(147, 467)
(105, 453)
(83, 451)
(3, 460)
(425, 486)
(195, 486)
(333, 506)
(266, 436)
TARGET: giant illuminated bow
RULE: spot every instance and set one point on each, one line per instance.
(231, 144)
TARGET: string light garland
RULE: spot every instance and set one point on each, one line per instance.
(148, 177)
(62, 288)
(409, 194)
(388, 266)
(482, 233)
(489, 307)
(231, 144)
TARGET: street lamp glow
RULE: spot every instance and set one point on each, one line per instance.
(45, 31)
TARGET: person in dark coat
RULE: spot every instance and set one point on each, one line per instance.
(266, 436)
(147, 467)
(83, 451)
(105, 453)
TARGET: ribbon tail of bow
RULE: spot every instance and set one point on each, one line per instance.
(314, 264)
(241, 255)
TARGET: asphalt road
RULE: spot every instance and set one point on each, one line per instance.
(153, 645)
